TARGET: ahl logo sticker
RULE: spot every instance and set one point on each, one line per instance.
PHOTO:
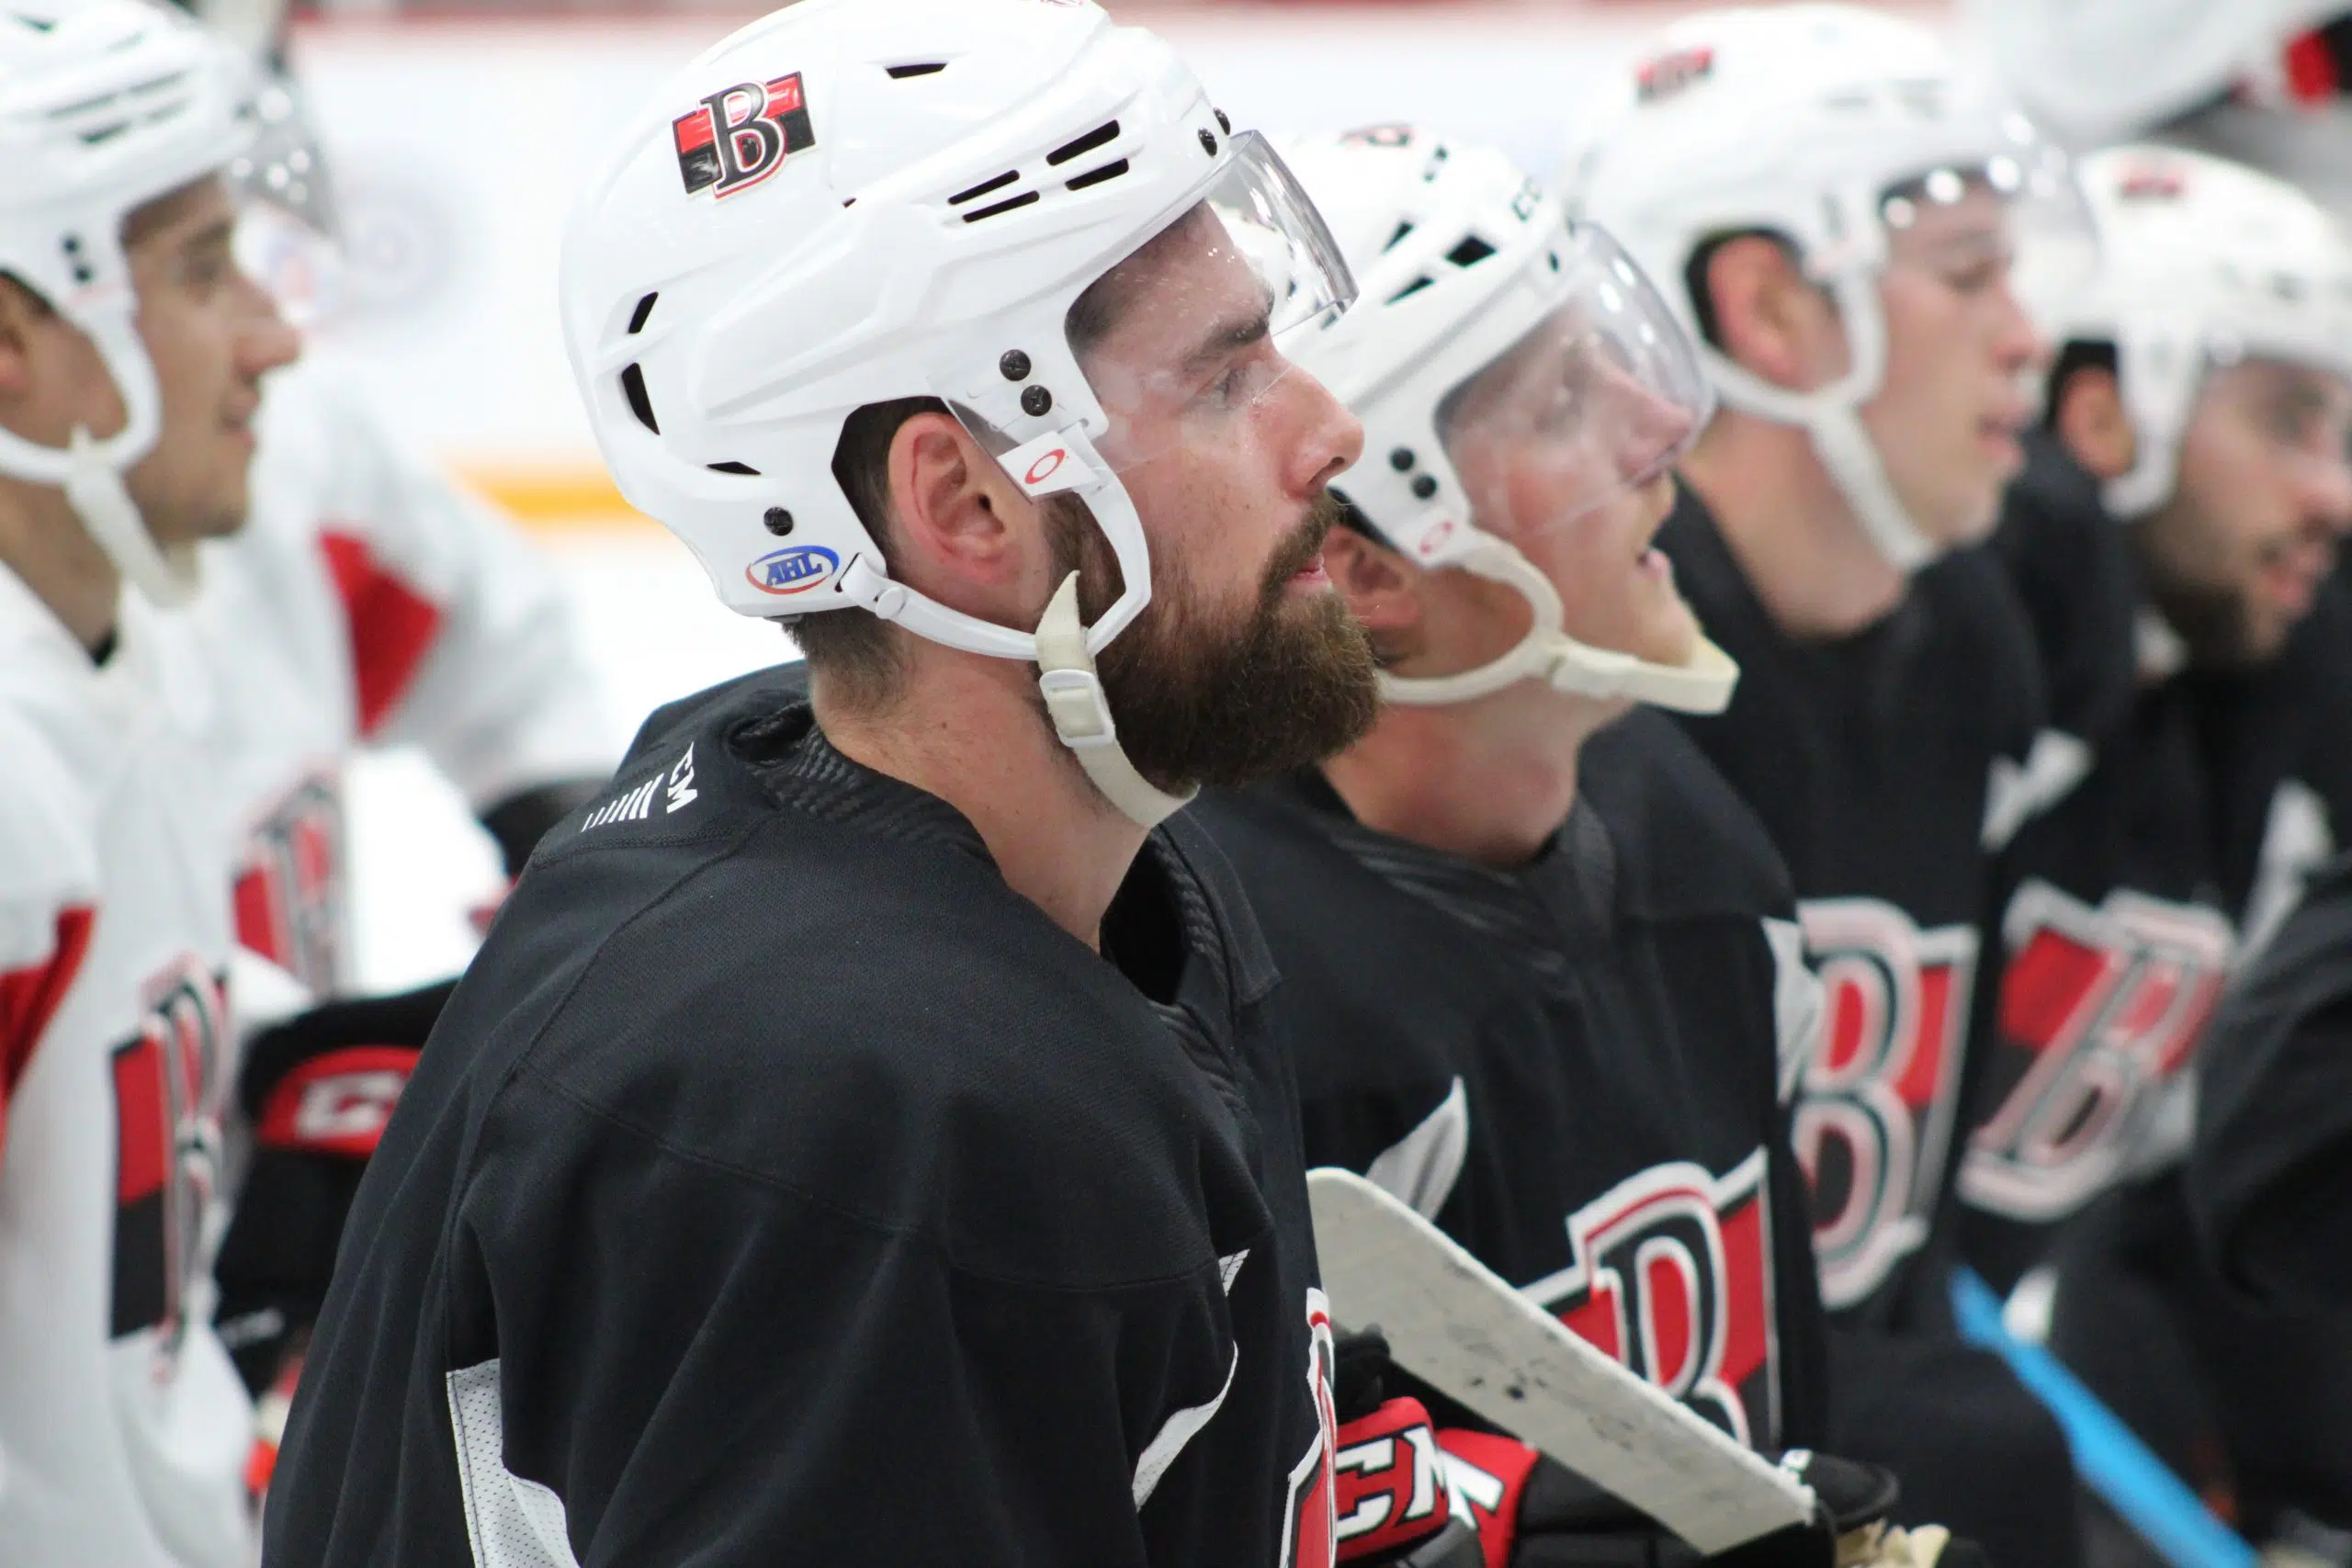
(740, 135)
(794, 571)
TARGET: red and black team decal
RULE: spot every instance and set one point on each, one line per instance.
(740, 135)
(289, 895)
(1879, 1096)
(1669, 74)
(1309, 1528)
(2101, 1010)
(167, 1094)
(1673, 1277)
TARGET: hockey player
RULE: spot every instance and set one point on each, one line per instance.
(2194, 484)
(368, 602)
(860, 1137)
(131, 351)
(1833, 201)
(1541, 977)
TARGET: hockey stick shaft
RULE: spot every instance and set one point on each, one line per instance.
(2110, 1457)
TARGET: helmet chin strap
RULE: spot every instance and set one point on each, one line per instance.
(165, 574)
(1700, 683)
(1853, 459)
(1081, 716)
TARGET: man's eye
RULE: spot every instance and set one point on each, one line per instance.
(1976, 276)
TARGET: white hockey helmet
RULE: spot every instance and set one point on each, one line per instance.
(1829, 126)
(1460, 259)
(105, 105)
(855, 201)
(2203, 263)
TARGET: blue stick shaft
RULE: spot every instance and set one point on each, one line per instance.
(2109, 1455)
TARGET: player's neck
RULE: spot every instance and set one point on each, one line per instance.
(45, 545)
(1490, 781)
(971, 730)
(1797, 541)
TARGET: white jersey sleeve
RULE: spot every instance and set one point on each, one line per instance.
(460, 640)
(124, 1430)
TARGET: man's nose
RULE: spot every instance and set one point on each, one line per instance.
(1331, 438)
(267, 341)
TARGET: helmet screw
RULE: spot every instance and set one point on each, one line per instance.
(778, 521)
(1401, 459)
(1036, 401)
(1222, 123)
(1424, 487)
(1014, 365)
(1208, 141)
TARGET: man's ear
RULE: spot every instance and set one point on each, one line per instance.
(1381, 587)
(954, 512)
(20, 314)
(2092, 423)
(1770, 318)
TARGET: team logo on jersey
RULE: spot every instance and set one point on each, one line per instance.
(1310, 1522)
(2100, 1011)
(1663, 76)
(289, 895)
(2151, 182)
(167, 1099)
(1879, 1097)
(739, 135)
(1672, 1276)
(794, 571)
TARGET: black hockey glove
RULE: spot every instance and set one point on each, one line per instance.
(1390, 1501)
(317, 1090)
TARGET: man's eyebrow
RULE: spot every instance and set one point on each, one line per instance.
(1227, 336)
(220, 232)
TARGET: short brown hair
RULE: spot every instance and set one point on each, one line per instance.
(852, 649)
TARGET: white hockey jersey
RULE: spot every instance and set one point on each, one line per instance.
(124, 1432)
(368, 600)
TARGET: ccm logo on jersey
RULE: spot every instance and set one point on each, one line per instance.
(2101, 1010)
(794, 571)
(1879, 1098)
(677, 788)
(740, 135)
(1670, 1278)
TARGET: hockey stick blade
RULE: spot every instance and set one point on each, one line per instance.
(1455, 1325)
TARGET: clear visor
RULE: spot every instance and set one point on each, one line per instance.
(2293, 414)
(1598, 399)
(288, 236)
(2018, 216)
(1183, 343)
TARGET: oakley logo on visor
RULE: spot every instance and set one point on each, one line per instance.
(740, 135)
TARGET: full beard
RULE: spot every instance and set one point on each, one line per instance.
(1208, 700)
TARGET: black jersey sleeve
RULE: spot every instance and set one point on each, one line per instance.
(2270, 1178)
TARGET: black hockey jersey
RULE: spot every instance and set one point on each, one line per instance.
(1573, 1068)
(1881, 764)
(779, 1186)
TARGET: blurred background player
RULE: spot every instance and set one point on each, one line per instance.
(372, 602)
(2174, 532)
(132, 353)
(1834, 200)
(1541, 981)
(995, 1230)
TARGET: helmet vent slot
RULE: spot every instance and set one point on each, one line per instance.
(38, 24)
(1413, 288)
(1003, 180)
(922, 68)
(1398, 239)
(730, 468)
(633, 388)
(644, 308)
(1086, 143)
(1023, 199)
(1096, 176)
(1471, 251)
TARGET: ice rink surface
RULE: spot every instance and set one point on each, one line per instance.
(654, 631)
